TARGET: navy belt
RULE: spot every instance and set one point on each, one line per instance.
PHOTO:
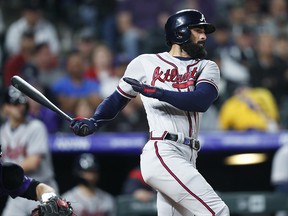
(194, 144)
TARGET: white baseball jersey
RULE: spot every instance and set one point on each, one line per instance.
(279, 173)
(29, 138)
(101, 203)
(167, 72)
(170, 166)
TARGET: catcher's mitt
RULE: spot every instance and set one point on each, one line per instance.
(55, 206)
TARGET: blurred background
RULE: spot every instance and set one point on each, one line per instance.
(93, 41)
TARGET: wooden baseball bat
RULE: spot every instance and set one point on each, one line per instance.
(36, 95)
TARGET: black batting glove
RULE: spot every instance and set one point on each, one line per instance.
(146, 90)
(83, 126)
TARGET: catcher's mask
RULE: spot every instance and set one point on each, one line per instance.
(177, 27)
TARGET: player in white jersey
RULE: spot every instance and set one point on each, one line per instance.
(86, 196)
(24, 141)
(176, 87)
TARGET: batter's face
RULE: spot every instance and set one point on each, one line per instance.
(196, 47)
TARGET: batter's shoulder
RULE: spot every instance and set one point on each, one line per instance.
(206, 63)
(145, 56)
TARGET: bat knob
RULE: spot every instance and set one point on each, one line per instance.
(84, 130)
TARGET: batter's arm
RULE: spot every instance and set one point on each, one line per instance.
(104, 113)
(109, 108)
(196, 101)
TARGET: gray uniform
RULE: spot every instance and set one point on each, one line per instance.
(101, 203)
(30, 138)
(169, 166)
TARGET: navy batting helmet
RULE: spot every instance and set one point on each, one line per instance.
(177, 27)
(14, 96)
(86, 162)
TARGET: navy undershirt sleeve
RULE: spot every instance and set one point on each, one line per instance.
(196, 101)
(109, 108)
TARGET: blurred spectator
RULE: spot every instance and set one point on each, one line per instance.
(42, 68)
(87, 198)
(279, 173)
(236, 60)
(2, 34)
(242, 51)
(103, 69)
(73, 86)
(84, 108)
(134, 185)
(281, 47)
(135, 18)
(129, 37)
(84, 43)
(52, 120)
(154, 42)
(250, 109)
(15, 63)
(209, 121)
(275, 21)
(25, 142)
(31, 19)
(268, 70)
(107, 22)
(143, 13)
(220, 40)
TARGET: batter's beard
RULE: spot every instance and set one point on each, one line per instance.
(194, 50)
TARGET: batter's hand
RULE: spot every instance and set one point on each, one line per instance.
(147, 90)
(83, 126)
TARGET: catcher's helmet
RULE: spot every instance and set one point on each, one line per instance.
(177, 27)
(86, 162)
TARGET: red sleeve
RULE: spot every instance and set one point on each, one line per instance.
(90, 73)
(12, 67)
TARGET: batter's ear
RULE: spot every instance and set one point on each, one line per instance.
(12, 176)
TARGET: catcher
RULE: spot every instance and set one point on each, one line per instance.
(14, 183)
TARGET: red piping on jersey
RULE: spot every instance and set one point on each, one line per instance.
(180, 182)
(124, 93)
(190, 123)
(170, 63)
(159, 56)
(208, 81)
(157, 138)
(188, 114)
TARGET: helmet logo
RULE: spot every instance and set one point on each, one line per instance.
(202, 18)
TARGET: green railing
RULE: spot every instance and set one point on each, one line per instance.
(238, 203)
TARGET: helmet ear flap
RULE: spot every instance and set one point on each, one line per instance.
(182, 34)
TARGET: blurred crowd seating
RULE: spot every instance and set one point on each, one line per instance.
(37, 38)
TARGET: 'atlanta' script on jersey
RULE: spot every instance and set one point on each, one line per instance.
(180, 81)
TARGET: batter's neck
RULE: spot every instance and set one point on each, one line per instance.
(176, 51)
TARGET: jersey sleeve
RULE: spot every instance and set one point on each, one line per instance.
(135, 70)
(210, 74)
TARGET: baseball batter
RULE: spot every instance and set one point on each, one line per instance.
(176, 87)
(25, 142)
